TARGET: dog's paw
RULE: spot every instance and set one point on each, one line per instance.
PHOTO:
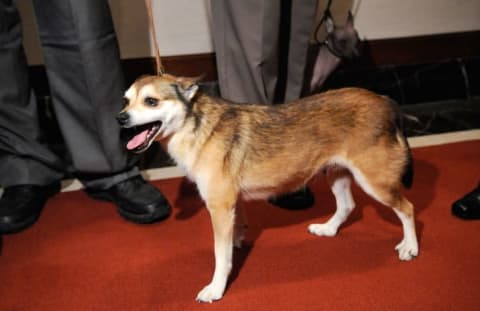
(210, 293)
(322, 230)
(407, 250)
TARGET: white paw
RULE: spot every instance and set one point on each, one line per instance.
(407, 250)
(210, 293)
(322, 229)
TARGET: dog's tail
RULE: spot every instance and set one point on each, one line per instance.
(407, 176)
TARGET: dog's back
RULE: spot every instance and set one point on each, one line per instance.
(271, 149)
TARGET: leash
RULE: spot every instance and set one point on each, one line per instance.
(326, 14)
(158, 61)
(332, 50)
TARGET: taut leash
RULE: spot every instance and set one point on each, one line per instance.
(326, 14)
(158, 61)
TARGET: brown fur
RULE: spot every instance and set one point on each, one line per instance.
(258, 151)
(279, 148)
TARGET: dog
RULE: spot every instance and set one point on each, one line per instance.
(341, 43)
(257, 151)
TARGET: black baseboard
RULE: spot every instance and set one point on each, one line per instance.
(448, 79)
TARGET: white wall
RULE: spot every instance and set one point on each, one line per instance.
(184, 22)
(183, 25)
(380, 19)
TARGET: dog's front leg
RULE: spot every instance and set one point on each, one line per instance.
(222, 215)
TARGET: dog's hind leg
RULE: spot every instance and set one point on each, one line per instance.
(408, 247)
(222, 213)
(240, 226)
(387, 192)
(340, 181)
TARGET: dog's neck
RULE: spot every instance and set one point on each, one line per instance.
(340, 43)
(193, 109)
(325, 64)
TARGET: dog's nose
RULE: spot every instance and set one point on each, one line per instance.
(123, 118)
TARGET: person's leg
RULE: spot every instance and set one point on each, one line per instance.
(83, 67)
(296, 26)
(246, 47)
(24, 157)
(302, 22)
(86, 82)
(246, 39)
(29, 170)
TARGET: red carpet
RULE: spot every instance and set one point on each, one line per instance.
(82, 256)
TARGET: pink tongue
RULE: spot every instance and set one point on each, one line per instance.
(137, 140)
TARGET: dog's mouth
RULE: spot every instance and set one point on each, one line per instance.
(144, 136)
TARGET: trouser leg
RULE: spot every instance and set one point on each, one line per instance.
(302, 19)
(246, 39)
(24, 156)
(83, 67)
(246, 46)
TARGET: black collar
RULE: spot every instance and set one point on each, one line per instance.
(332, 49)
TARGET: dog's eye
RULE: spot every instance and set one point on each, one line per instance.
(151, 101)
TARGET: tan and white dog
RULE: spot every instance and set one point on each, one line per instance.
(257, 151)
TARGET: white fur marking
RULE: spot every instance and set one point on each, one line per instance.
(358, 176)
(345, 205)
(408, 247)
(130, 93)
(169, 112)
(147, 91)
(223, 261)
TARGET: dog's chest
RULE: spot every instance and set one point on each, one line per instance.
(183, 148)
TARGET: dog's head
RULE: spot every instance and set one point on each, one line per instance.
(343, 39)
(156, 105)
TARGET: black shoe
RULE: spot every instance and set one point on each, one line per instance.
(468, 207)
(20, 206)
(136, 200)
(301, 199)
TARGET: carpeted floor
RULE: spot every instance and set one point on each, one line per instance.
(82, 256)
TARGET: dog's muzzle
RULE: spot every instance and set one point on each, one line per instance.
(139, 137)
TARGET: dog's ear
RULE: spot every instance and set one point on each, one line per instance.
(349, 23)
(190, 91)
(188, 87)
(329, 25)
(187, 81)
(185, 90)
